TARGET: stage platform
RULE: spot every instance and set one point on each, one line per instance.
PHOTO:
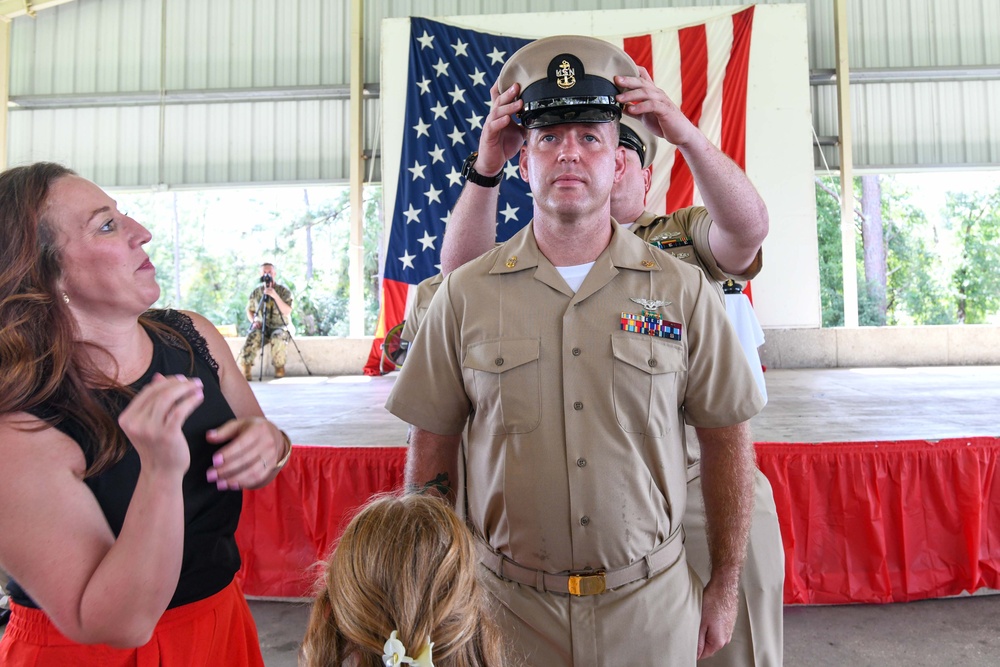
(887, 480)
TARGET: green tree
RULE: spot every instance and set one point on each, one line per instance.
(917, 281)
(916, 285)
(209, 261)
(831, 267)
(975, 220)
(324, 301)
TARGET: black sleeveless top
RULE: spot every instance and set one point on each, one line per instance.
(210, 557)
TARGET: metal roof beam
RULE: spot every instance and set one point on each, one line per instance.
(10, 9)
(208, 96)
(823, 77)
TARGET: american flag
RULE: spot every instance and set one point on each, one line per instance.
(702, 68)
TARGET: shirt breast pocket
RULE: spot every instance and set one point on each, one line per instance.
(646, 382)
(505, 378)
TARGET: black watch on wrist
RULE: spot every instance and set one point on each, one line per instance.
(469, 173)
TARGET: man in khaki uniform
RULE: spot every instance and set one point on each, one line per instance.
(686, 234)
(579, 351)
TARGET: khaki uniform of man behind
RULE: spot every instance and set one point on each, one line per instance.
(577, 393)
(425, 291)
(758, 636)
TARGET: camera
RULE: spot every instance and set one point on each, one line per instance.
(266, 279)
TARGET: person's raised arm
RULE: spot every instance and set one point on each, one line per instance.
(472, 227)
(739, 216)
(432, 463)
(97, 588)
(727, 463)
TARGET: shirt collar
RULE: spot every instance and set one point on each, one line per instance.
(625, 251)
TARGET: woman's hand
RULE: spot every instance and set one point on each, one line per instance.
(253, 447)
(154, 418)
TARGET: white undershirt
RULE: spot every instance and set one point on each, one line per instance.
(574, 275)
(626, 225)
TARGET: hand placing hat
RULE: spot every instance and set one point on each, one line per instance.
(567, 79)
(644, 100)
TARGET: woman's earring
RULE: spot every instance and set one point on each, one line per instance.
(65, 297)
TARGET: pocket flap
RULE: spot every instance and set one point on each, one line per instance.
(498, 356)
(648, 353)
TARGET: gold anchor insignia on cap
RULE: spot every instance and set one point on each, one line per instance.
(648, 263)
(565, 75)
(512, 261)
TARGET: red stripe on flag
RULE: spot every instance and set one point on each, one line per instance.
(734, 90)
(640, 49)
(393, 310)
(693, 45)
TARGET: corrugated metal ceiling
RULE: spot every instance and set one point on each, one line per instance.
(277, 73)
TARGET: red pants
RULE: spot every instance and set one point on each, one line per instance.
(215, 632)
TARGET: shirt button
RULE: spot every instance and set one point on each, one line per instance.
(581, 462)
(576, 352)
(498, 361)
(652, 363)
(584, 520)
(578, 406)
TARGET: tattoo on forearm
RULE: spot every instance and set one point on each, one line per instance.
(441, 484)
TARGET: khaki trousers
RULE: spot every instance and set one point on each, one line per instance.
(648, 622)
(759, 633)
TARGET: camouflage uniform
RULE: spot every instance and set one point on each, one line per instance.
(275, 325)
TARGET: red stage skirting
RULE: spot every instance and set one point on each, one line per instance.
(860, 522)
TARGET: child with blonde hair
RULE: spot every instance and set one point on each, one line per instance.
(400, 588)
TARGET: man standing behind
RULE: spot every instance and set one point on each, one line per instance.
(574, 353)
(275, 321)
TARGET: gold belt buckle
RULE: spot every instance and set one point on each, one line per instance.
(587, 584)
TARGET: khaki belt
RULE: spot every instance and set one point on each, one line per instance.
(591, 582)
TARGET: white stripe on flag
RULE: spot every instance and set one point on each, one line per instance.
(666, 75)
(719, 39)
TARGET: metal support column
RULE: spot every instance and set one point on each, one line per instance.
(356, 246)
(847, 233)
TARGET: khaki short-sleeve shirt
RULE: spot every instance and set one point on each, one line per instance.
(575, 438)
(425, 291)
(684, 234)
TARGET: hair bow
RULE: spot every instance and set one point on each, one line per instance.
(394, 653)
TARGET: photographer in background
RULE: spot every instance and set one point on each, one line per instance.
(269, 308)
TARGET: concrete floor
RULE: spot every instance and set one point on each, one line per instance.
(836, 405)
(931, 633)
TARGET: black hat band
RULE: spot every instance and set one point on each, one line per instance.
(552, 111)
(629, 139)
